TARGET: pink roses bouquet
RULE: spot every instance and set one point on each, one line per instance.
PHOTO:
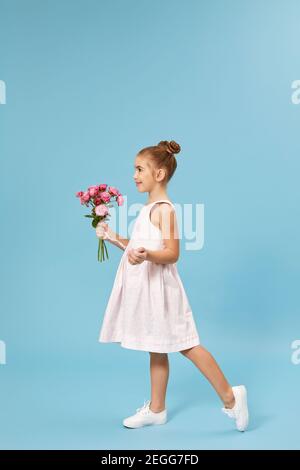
(100, 197)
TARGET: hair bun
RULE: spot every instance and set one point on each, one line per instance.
(174, 147)
(171, 147)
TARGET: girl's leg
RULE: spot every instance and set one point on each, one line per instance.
(210, 369)
(159, 371)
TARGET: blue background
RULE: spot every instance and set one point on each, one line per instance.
(89, 83)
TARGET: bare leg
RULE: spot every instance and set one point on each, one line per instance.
(210, 369)
(159, 371)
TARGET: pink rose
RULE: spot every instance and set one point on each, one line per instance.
(120, 200)
(97, 200)
(79, 194)
(102, 187)
(101, 210)
(93, 190)
(85, 197)
(113, 191)
(105, 197)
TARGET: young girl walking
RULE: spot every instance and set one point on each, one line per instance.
(148, 308)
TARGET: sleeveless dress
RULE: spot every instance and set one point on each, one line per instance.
(148, 309)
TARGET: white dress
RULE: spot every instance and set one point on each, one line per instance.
(148, 309)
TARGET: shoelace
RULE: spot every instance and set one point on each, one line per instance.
(142, 408)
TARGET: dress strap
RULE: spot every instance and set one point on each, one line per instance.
(161, 200)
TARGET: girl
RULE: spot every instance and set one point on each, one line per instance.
(148, 308)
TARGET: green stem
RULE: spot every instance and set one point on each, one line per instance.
(102, 251)
(106, 250)
(99, 248)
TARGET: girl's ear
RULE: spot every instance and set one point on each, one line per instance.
(161, 174)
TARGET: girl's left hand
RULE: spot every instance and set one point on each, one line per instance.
(137, 256)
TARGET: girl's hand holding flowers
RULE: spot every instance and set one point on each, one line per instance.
(137, 255)
(104, 232)
(100, 198)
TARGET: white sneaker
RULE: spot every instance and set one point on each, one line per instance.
(145, 416)
(240, 410)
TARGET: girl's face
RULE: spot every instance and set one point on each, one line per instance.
(146, 176)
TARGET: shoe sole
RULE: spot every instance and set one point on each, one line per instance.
(142, 425)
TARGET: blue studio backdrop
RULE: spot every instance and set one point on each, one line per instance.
(84, 85)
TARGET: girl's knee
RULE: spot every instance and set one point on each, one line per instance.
(158, 354)
(186, 352)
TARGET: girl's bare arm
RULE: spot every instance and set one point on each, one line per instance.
(104, 231)
(120, 240)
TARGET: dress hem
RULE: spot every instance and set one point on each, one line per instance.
(163, 348)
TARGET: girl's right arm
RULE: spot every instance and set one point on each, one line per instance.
(104, 231)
